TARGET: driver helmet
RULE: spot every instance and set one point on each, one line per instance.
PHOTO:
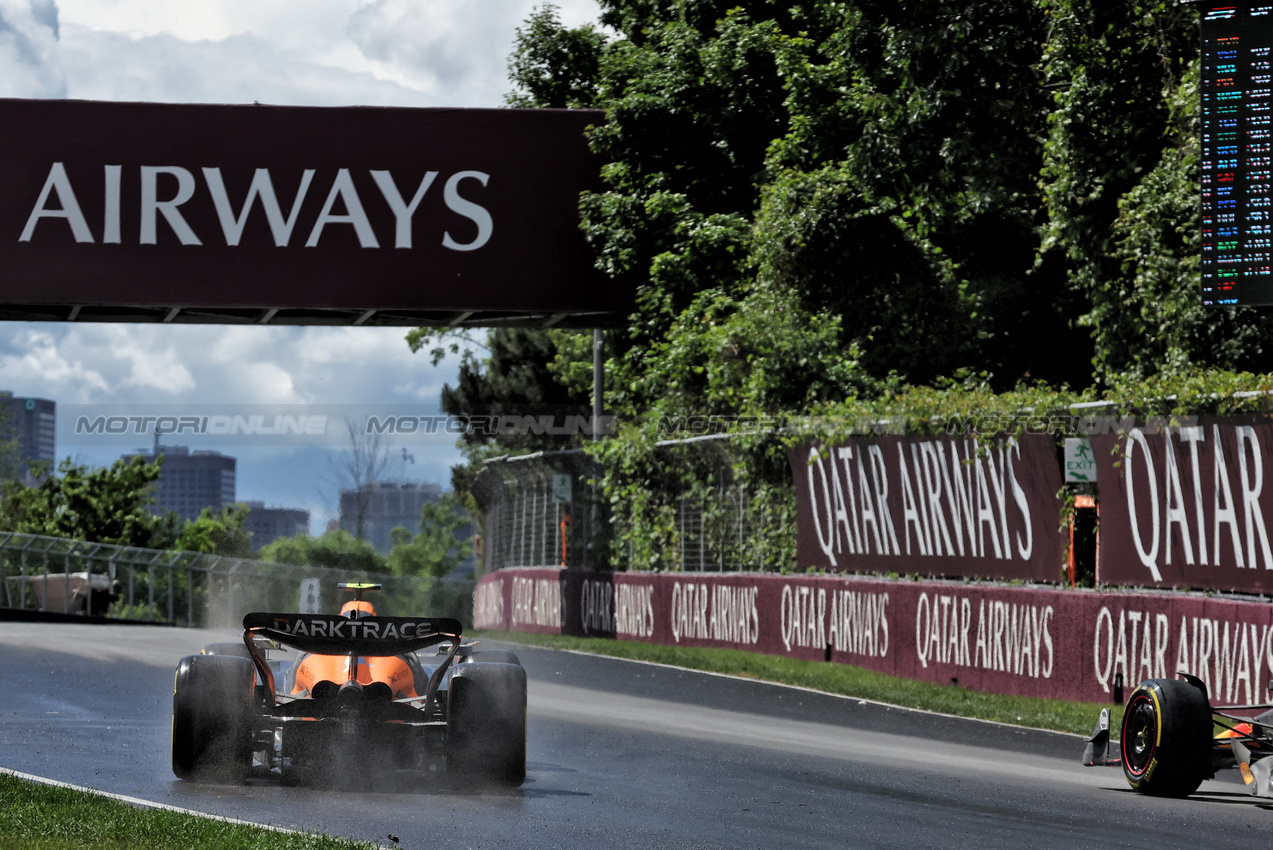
(356, 609)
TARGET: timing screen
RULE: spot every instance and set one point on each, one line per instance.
(1237, 157)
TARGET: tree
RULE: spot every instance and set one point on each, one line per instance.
(361, 466)
(880, 162)
(335, 549)
(439, 547)
(554, 67)
(104, 505)
(962, 185)
(218, 533)
(519, 377)
(1120, 182)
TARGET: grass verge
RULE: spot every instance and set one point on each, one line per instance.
(43, 817)
(1057, 715)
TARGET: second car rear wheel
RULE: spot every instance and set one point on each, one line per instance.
(1166, 738)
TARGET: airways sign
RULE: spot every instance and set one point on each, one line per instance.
(293, 208)
(58, 201)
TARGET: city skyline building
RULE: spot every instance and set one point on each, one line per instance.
(33, 421)
(269, 524)
(191, 481)
(372, 511)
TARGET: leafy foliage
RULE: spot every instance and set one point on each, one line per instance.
(434, 551)
(554, 67)
(336, 549)
(104, 505)
(1119, 181)
(858, 211)
(521, 376)
(218, 533)
(438, 547)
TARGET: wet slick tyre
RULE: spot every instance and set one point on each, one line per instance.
(503, 656)
(212, 718)
(227, 648)
(1166, 738)
(486, 723)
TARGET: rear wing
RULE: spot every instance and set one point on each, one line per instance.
(327, 634)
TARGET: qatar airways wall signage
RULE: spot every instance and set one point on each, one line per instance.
(1188, 504)
(376, 208)
(1052, 643)
(940, 506)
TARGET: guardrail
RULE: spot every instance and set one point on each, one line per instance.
(59, 575)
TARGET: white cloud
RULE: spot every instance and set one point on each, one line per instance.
(289, 22)
(37, 365)
(318, 52)
(237, 69)
(212, 364)
(28, 49)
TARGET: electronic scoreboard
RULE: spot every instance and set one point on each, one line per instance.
(1237, 152)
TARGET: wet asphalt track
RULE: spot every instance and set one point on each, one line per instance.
(624, 755)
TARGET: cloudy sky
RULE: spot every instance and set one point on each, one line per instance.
(303, 52)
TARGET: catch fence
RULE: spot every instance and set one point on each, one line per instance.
(543, 509)
(64, 576)
(706, 514)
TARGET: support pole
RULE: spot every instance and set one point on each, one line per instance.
(598, 379)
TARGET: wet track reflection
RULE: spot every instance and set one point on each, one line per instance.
(621, 755)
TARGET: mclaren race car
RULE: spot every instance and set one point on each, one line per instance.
(1173, 738)
(364, 696)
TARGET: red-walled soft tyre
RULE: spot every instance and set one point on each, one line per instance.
(1166, 738)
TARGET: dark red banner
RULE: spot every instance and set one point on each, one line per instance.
(932, 507)
(1186, 505)
(1063, 644)
(292, 208)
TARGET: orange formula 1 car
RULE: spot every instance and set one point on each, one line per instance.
(1173, 738)
(367, 695)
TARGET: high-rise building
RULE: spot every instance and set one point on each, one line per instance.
(373, 510)
(269, 524)
(191, 481)
(34, 422)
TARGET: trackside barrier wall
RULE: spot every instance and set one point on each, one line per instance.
(1066, 644)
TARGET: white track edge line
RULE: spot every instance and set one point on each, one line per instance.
(145, 804)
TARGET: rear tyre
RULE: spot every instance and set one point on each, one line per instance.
(486, 723)
(501, 656)
(1166, 738)
(212, 713)
(227, 648)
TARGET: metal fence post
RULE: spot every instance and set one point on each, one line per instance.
(682, 531)
(534, 530)
(521, 550)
